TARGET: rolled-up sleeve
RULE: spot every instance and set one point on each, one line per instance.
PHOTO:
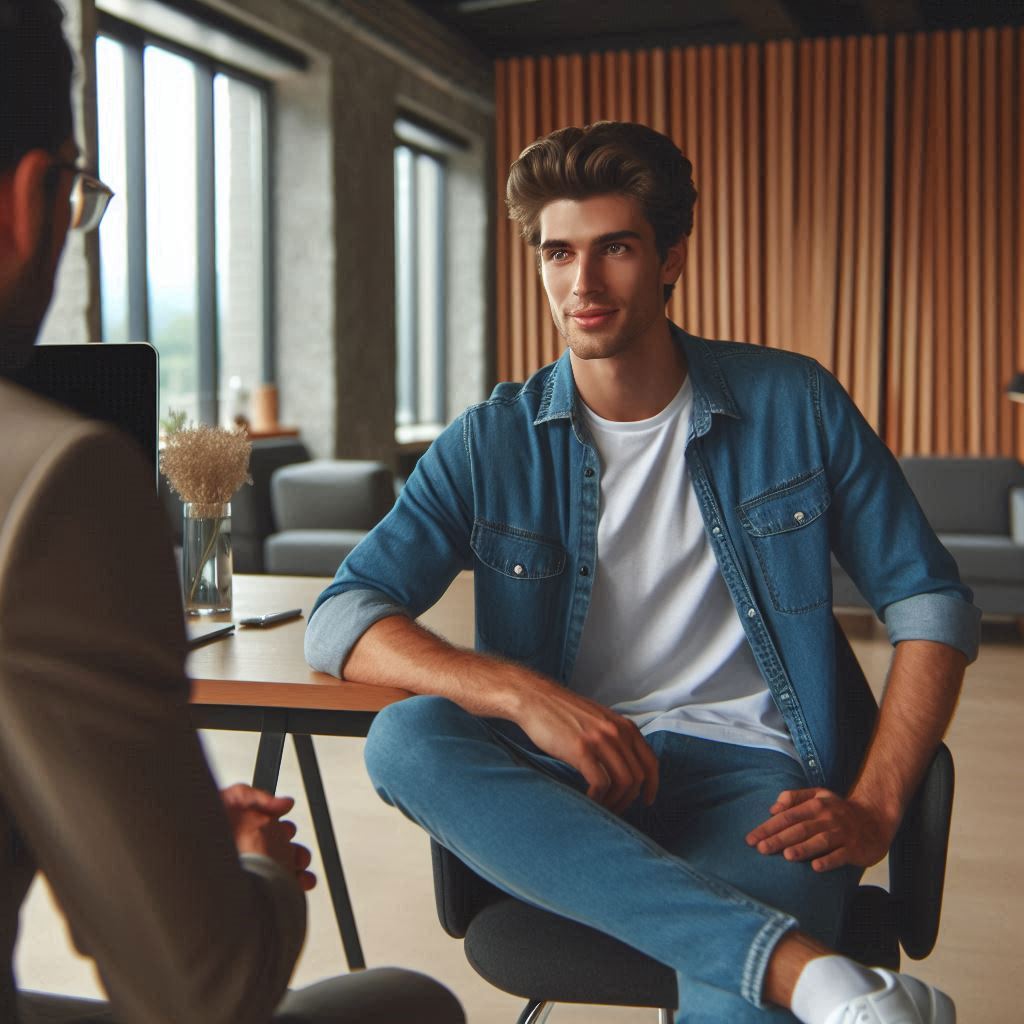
(340, 621)
(406, 562)
(882, 538)
(940, 617)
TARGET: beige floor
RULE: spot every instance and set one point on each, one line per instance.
(978, 958)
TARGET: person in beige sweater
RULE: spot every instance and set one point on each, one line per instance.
(189, 901)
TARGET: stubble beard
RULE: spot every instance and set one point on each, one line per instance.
(583, 345)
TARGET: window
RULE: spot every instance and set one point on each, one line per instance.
(422, 186)
(184, 253)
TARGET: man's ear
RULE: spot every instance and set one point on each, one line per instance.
(24, 207)
(675, 260)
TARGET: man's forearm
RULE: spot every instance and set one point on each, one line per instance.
(921, 693)
(606, 748)
(396, 651)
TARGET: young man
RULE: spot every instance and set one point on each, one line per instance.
(190, 903)
(651, 736)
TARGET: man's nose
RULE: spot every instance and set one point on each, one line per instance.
(588, 276)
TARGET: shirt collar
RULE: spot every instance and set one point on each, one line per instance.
(711, 393)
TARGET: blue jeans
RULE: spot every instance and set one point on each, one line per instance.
(675, 880)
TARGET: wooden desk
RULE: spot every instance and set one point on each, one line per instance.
(266, 668)
(257, 680)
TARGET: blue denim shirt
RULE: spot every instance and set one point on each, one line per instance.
(785, 470)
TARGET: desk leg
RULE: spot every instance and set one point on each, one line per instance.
(268, 757)
(329, 850)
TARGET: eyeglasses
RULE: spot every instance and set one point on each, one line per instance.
(89, 198)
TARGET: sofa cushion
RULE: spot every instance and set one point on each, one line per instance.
(964, 495)
(309, 552)
(986, 558)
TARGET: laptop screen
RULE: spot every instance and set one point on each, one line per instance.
(114, 382)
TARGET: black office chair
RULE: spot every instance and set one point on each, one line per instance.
(548, 959)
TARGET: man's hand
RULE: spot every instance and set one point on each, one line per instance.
(254, 817)
(607, 749)
(820, 824)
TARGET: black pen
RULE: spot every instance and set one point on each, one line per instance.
(271, 619)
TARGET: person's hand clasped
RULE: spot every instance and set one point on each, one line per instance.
(606, 748)
(255, 819)
(819, 824)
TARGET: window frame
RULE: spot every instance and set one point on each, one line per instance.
(440, 397)
(134, 39)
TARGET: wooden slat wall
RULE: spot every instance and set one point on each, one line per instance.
(859, 202)
(956, 301)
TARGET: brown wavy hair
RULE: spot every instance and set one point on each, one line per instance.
(607, 157)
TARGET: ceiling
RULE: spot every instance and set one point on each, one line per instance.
(503, 28)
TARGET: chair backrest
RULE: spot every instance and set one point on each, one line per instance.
(459, 893)
(917, 860)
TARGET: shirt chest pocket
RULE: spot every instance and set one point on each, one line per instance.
(518, 580)
(788, 531)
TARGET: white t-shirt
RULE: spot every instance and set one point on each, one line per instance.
(662, 643)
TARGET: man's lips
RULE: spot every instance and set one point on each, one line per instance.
(593, 317)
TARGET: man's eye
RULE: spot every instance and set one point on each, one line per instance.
(557, 255)
(615, 248)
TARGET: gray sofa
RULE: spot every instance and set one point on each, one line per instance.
(322, 509)
(976, 506)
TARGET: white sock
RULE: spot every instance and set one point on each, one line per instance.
(828, 981)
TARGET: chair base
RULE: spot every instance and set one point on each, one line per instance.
(537, 1012)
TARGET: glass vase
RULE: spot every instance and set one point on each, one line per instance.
(206, 558)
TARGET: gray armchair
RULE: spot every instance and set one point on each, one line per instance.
(322, 509)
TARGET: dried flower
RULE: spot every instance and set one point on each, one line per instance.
(206, 465)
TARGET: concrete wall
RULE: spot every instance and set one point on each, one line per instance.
(333, 206)
(74, 315)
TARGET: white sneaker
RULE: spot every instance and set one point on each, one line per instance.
(903, 1000)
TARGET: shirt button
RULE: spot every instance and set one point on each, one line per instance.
(811, 762)
(799, 516)
(751, 613)
(518, 570)
(716, 530)
(588, 472)
(584, 571)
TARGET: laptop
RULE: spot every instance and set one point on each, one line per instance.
(117, 382)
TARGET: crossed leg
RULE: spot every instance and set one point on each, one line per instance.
(657, 879)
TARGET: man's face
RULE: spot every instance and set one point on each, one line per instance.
(602, 274)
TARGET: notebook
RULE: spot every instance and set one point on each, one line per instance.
(200, 632)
